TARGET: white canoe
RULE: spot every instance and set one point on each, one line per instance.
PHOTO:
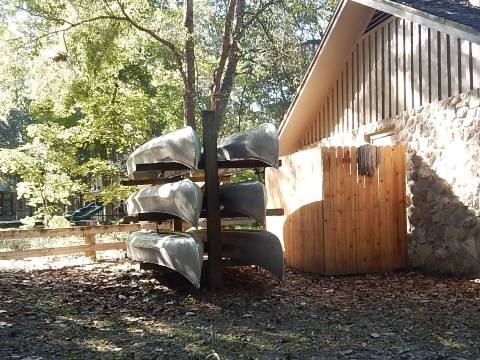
(181, 147)
(250, 247)
(182, 199)
(180, 252)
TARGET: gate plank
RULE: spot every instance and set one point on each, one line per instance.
(328, 219)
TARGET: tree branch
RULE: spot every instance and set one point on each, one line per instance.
(254, 17)
(226, 45)
(166, 43)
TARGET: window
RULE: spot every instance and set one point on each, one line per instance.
(6, 204)
(384, 137)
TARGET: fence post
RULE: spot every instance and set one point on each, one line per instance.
(90, 239)
(215, 266)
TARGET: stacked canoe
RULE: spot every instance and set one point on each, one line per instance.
(173, 158)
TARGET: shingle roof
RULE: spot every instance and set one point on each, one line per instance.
(459, 11)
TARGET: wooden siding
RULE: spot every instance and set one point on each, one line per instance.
(338, 222)
(396, 66)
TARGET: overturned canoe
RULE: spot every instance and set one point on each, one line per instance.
(180, 148)
(247, 198)
(260, 144)
(180, 252)
(252, 247)
(182, 199)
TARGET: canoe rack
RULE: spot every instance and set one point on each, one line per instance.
(208, 173)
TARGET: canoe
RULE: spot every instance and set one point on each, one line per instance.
(250, 247)
(180, 148)
(180, 252)
(182, 199)
(247, 198)
(260, 144)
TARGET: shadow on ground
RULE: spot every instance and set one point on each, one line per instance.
(114, 310)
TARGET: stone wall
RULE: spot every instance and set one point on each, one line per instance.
(443, 180)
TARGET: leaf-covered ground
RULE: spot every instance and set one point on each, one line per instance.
(113, 310)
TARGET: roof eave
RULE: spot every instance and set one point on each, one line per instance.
(420, 17)
(327, 32)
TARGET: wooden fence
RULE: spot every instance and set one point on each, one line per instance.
(336, 221)
(88, 232)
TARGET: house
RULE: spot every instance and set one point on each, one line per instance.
(11, 208)
(397, 72)
(7, 203)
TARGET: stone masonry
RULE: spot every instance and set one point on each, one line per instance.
(443, 179)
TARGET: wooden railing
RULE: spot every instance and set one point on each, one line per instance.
(88, 232)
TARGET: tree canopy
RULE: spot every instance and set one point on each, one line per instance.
(85, 82)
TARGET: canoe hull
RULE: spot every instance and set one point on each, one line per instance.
(180, 147)
(260, 248)
(247, 198)
(260, 143)
(180, 252)
(182, 199)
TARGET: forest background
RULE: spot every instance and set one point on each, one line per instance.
(83, 83)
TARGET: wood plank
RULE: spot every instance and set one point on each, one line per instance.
(353, 211)
(355, 89)
(453, 72)
(319, 129)
(342, 260)
(382, 207)
(90, 239)
(361, 84)
(380, 93)
(408, 65)
(388, 250)
(363, 214)
(401, 65)
(325, 119)
(417, 63)
(434, 69)
(476, 65)
(386, 70)
(446, 69)
(393, 53)
(351, 119)
(373, 77)
(215, 266)
(319, 251)
(425, 65)
(335, 108)
(403, 243)
(375, 260)
(345, 212)
(399, 210)
(367, 63)
(344, 109)
(464, 65)
(308, 251)
(328, 218)
(22, 254)
(330, 114)
(73, 231)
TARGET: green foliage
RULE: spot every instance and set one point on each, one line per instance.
(96, 87)
(44, 165)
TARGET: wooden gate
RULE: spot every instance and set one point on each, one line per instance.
(336, 221)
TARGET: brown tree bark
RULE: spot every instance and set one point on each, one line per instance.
(223, 96)
(189, 81)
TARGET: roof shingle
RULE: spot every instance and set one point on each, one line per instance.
(459, 11)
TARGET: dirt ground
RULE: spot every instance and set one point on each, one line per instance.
(113, 310)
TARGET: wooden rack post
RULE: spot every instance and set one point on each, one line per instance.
(215, 266)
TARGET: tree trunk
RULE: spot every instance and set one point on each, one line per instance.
(231, 69)
(189, 93)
